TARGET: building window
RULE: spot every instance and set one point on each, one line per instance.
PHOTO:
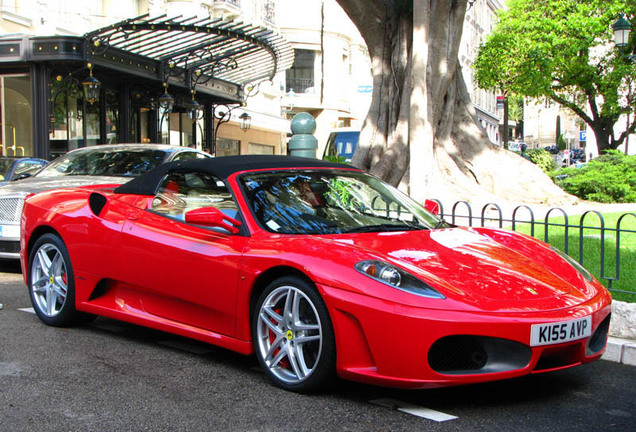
(300, 77)
(16, 115)
(227, 147)
(255, 148)
(269, 12)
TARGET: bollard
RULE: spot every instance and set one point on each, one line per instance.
(303, 143)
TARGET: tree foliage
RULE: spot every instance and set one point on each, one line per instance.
(563, 50)
(542, 159)
(610, 178)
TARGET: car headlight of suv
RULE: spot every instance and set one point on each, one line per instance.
(397, 278)
(574, 263)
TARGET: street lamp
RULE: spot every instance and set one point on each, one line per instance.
(194, 110)
(621, 28)
(91, 86)
(246, 121)
(166, 102)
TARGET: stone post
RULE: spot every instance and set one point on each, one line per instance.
(303, 143)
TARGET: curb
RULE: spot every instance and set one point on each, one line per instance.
(621, 344)
(620, 350)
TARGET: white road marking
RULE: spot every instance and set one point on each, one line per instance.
(29, 310)
(413, 409)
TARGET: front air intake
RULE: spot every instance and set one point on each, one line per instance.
(465, 355)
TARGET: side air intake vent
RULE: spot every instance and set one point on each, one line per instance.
(96, 202)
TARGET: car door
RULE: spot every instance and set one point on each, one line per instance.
(184, 272)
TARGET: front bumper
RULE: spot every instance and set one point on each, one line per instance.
(384, 343)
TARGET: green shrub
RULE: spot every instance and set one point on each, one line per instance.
(610, 178)
(543, 159)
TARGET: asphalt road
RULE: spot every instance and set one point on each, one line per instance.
(111, 376)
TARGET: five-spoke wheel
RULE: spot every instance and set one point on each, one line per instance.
(293, 336)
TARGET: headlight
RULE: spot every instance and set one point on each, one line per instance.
(574, 263)
(397, 278)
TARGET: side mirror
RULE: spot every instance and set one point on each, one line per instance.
(432, 206)
(212, 217)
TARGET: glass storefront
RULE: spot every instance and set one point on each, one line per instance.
(73, 122)
(44, 113)
(16, 120)
(112, 117)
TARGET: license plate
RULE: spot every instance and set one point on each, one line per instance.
(9, 231)
(559, 332)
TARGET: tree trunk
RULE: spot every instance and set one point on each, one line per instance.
(422, 131)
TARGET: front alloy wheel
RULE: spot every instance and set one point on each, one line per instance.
(50, 280)
(51, 283)
(293, 336)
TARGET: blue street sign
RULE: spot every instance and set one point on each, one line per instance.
(583, 136)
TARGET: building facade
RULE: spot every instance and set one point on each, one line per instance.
(48, 49)
(480, 21)
(331, 76)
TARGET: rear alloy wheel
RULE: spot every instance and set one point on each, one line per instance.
(52, 284)
(293, 336)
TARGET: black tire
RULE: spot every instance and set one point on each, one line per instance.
(293, 336)
(52, 283)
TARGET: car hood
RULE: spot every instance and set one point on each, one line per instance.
(492, 270)
(40, 184)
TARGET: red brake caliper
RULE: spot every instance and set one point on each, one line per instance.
(284, 363)
(65, 280)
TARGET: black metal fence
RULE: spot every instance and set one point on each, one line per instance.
(524, 218)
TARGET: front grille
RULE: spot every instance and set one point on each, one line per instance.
(9, 247)
(559, 357)
(11, 208)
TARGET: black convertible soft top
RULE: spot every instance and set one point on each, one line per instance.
(222, 167)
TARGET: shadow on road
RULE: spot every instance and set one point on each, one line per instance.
(10, 266)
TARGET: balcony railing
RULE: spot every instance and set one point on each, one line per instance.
(300, 85)
(236, 3)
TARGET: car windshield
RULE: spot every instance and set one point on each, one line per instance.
(331, 202)
(105, 162)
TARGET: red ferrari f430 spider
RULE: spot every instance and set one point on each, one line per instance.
(317, 268)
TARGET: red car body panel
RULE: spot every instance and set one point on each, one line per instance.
(137, 266)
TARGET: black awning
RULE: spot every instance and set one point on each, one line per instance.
(194, 50)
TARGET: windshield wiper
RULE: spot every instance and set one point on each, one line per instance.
(383, 227)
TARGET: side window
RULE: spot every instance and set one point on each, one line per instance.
(181, 192)
(185, 155)
(28, 167)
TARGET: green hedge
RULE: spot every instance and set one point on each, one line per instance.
(610, 178)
